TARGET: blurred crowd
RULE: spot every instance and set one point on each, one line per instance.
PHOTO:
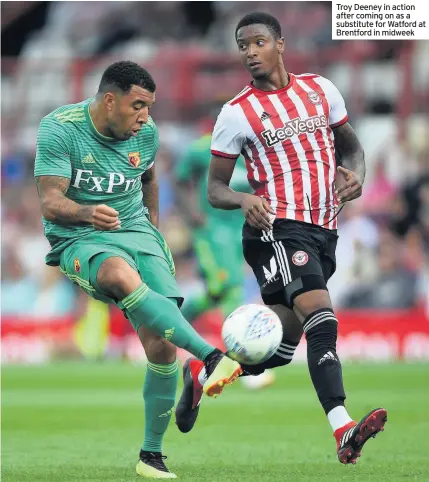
(382, 255)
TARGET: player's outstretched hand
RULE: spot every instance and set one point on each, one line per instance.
(257, 212)
(105, 218)
(351, 188)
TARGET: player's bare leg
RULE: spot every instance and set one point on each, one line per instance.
(320, 326)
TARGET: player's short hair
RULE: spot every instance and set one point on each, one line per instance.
(263, 18)
(123, 75)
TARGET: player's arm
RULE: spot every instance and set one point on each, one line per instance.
(59, 209)
(350, 155)
(52, 172)
(227, 143)
(151, 194)
(348, 150)
(255, 209)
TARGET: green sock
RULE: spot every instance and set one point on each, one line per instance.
(159, 393)
(162, 316)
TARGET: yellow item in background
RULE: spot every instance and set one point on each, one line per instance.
(91, 332)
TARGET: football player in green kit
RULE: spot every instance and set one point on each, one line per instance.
(216, 237)
(95, 175)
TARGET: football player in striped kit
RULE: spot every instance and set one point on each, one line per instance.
(292, 131)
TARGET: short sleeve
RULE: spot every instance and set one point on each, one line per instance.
(337, 107)
(52, 150)
(227, 139)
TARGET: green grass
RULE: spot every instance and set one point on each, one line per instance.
(84, 422)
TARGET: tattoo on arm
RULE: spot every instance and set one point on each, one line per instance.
(348, 150)
(56, 207)
(47, 183)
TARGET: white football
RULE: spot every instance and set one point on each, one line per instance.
(252, 334)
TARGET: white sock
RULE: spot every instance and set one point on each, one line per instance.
(202, 376)
(338, 417)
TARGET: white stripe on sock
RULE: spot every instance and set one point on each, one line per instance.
(285, 345)
(284, 355)
(319, 318)
(286, 350)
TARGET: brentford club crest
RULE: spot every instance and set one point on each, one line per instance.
(314, 97)
(77, 265)
(300, 258)
(134, 158)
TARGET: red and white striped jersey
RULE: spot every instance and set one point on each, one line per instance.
(287, 140)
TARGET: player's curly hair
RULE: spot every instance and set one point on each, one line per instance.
(123, 75)
(263, 18)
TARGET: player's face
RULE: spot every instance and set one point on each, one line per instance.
(260, 52)
(127, 113)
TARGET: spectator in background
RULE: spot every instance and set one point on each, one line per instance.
(24, 295)
(18, 289)
(357, 244)
(412, 208)
(55, 295)
(379, 194)
(394, 286)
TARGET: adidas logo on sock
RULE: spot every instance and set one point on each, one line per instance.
(168, 413)
(265, 116)
(327, 356)
(168, 334)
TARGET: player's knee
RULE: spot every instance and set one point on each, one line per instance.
(159, 350)
(116, 277)
(312, 300)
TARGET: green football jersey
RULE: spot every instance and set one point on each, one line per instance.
(102, 170)
(195, 164)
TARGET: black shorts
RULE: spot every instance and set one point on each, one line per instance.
(293, 258)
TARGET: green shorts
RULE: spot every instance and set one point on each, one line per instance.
(145, 250)
(220, 256)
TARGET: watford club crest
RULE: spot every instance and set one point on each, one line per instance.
(134, 158)
(77, 265)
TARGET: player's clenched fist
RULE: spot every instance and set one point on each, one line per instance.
(105, 218)
(350, 187)
(257, 212)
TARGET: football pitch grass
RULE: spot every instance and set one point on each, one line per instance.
(84, 422)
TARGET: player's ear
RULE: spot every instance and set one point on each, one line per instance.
(281, 45)
(109, 100)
